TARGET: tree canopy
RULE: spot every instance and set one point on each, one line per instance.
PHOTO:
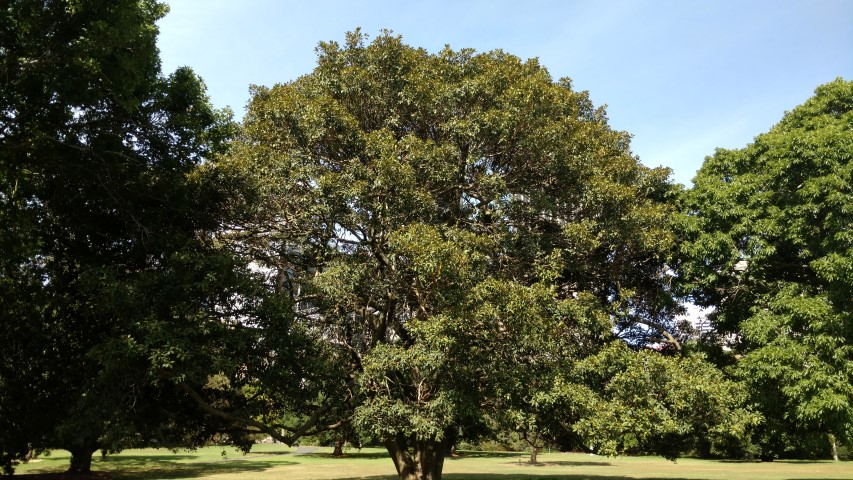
(406, 246)
(450, 223)
(111, 279)
(770, 248)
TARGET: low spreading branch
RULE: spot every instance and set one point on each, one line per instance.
(309, 427)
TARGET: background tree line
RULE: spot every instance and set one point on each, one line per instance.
(414, 248)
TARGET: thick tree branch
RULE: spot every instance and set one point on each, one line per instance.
(275, 431)
(663, 331)
(234, 419)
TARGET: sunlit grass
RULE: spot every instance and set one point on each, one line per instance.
(273, 462)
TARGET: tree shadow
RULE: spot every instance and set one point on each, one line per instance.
(476, 454)
(806, 462)
(141, 459)
(64, 476)
(266, 454)
(569, 463)
(519, 476)
(789, 461)
(349, 455)
(538, 476)
(144, 468)
(534, 476)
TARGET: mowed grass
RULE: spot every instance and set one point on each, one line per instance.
(274, 462)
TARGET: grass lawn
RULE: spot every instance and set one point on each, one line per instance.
(269, 462)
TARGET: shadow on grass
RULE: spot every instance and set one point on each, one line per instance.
(540, 476)
(350, 456)
(266, 454)
(145, 467)
(64, 476)
(523, 459)
(475, 454)
(135, 460)
(568, 463)
(784, 460)
(520, 476)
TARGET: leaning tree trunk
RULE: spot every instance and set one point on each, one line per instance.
(423, 461)
(81, 460)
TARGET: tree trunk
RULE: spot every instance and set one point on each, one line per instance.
(533, 440)
(534, 451)
(424, 462)
(81, 460)
(834, 447)
(339, 448)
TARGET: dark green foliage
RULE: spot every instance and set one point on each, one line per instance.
(113, 285)
(771, 249)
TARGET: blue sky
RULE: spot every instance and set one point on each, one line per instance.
(683, 77)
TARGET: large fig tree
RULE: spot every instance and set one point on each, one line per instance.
(453, 226)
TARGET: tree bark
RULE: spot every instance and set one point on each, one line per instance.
(534, 452)
(834, 447)
(81, 460)
(339, 448)
(424, 462)
(533, 439)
